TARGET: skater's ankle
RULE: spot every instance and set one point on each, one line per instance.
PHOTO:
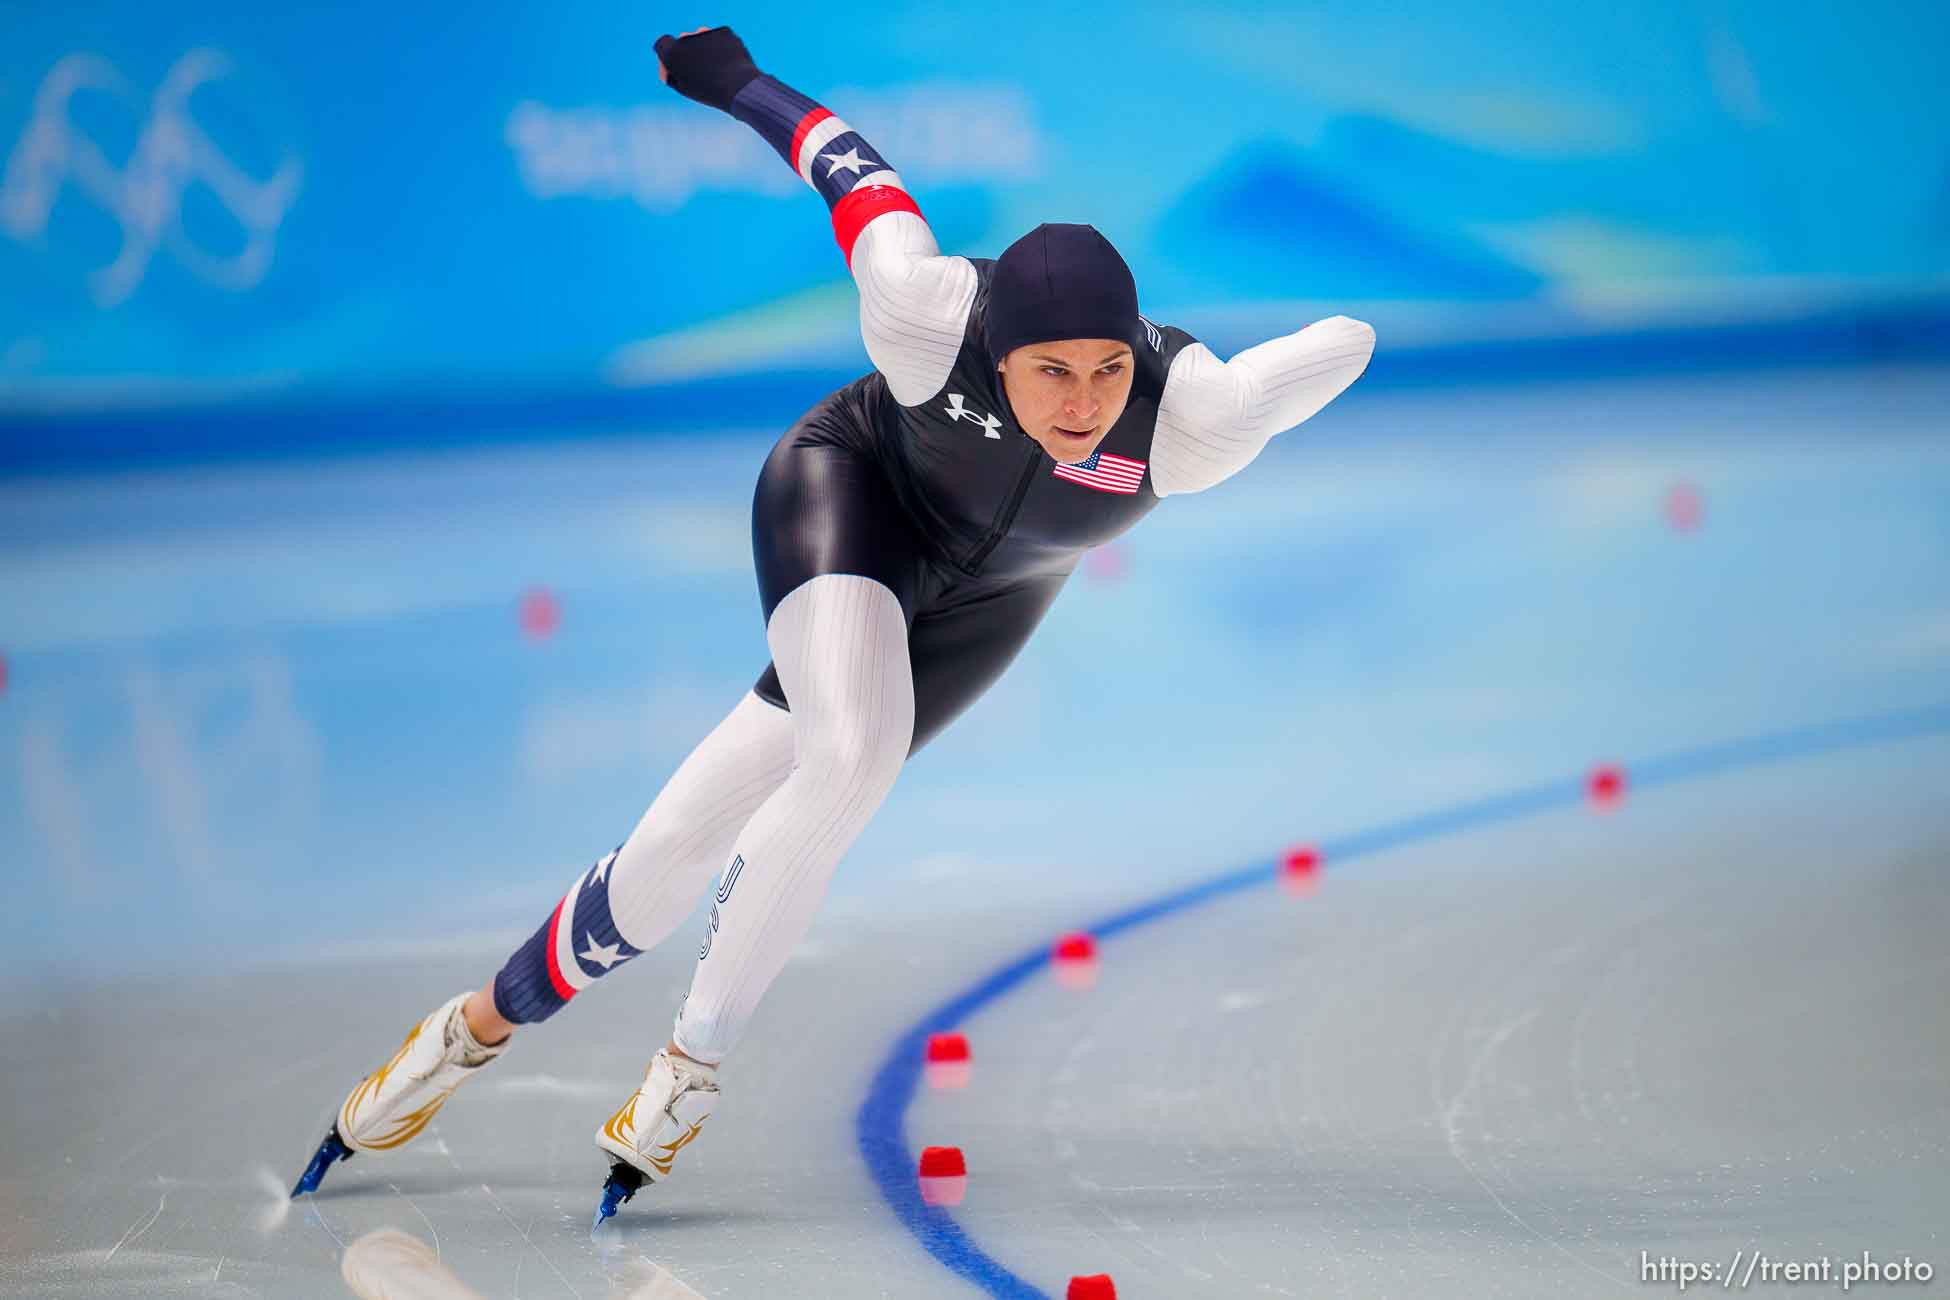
(683, 1055)
(484, 1021)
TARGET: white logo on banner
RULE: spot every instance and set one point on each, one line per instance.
(145, 197)
(660, 157)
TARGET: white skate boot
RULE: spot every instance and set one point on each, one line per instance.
(394, 1103)
(662, 1118)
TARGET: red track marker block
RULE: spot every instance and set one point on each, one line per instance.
(1605, 786)
(947, 1047)
(541, 614)
(947, 1065)
(944, 1176)
(1075, 960)
(1684, 508)
(943, 1162)
(1097, 1286)
(1300, 869)
(1075, 947)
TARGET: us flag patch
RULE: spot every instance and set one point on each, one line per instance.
(1105, 472)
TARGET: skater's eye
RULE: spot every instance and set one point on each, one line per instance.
(1055, 372)
(1112, 368)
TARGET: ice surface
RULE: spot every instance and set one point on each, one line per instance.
(303, 778)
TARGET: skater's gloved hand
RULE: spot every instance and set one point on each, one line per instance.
(710, 65)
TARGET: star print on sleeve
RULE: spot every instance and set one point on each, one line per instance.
(849, 160)
(914, 302)
(806, 134)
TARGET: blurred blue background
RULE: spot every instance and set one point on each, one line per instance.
(381, 392)
(371, 226)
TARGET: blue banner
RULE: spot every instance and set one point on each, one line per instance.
(214, 203)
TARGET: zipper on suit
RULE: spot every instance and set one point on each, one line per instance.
(1008, 516)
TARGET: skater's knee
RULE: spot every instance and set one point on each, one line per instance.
(860, 753)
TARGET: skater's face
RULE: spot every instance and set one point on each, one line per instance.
(1068, 393)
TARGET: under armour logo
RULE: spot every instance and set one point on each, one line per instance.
(990, 425)
(144, 196)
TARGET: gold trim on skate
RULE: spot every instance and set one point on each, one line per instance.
(372, 1082)
(627, 1114)
(409, 1125)
(663, 1166)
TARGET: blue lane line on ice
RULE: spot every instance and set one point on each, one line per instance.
(881, 1126)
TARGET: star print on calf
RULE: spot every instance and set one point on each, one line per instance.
(956, 410)
(601, 954)
(549, 969)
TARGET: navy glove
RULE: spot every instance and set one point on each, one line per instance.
(710, 67)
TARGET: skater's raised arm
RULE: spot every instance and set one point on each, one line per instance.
(1214, 416)
(914, 303)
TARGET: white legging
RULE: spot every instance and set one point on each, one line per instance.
(771, 801)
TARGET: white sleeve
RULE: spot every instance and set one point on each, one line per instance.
(1214, 416)
(914, 304)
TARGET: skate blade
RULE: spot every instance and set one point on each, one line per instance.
(624, 1181)
(331, 1149)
